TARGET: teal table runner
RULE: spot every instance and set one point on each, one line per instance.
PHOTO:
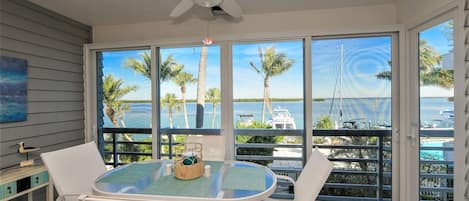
(169, 185)
(244, 178)
(132, 173)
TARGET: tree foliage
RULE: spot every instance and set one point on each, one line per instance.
(213, 96)
(272, 64)
(431, 74)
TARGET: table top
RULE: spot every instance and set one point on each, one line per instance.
(228, 180)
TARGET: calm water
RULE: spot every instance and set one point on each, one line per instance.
(374, 110)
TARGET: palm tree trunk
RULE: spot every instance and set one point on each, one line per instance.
(121, 118)
(214, 115)
(269, 102)
(186, 121)
(266, 99)
(170, 114)
(199, 120)
(263, 109)
(112, 116)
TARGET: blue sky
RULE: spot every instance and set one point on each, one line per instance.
(437, 37)
(248, 84)
(363, 59)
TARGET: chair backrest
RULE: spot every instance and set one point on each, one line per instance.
(213, 147)
(73, 170)
(313, 177)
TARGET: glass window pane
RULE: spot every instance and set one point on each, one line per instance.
(268, 100)
(351, 83)
(190, 87)
(125, 95)
(436, 59)
(268, 84)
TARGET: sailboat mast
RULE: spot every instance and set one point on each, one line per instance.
(340, 80)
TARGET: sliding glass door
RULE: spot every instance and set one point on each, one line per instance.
(268, 106)
(352, 109)
(189, 95)
(124, 105)
(436, 100)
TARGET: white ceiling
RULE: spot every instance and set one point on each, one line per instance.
(109, 12)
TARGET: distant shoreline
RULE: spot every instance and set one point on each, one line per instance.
(279, 99)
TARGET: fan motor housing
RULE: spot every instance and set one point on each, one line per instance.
(208, 3)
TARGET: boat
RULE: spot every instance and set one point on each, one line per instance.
(282, 119)
(445, 122)
(245, 119)
(447, 113)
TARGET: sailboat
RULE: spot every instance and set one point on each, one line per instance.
(339, 91)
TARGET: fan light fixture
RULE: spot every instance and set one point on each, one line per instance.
(207, 41)
(208, 3)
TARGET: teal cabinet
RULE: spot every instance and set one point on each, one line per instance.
(39, 179)
(8, 189)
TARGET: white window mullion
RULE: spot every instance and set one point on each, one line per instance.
(397, 100)
(461, 102)
(227, 128)
(155, 142)
(413, 123)
(90, 96)
(308, 100)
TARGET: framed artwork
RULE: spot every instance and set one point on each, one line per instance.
(13, 89)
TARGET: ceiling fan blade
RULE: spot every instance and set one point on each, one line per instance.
(181, 8)
(232, 8)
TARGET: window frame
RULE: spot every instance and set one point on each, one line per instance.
(413, 98)
(396, 98)
(225, 44)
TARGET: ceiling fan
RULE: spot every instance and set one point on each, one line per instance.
(218, 7)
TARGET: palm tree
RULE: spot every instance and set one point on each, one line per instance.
(168, 68)
(142, 67)
(429, 58)
(430, 74)
(113, 91)
(273, 64)
(181, 80)
(121, 108)
(199, 117)
(443, 78)
(213, 96)
(171, 103)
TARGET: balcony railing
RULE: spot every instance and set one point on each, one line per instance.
(362, 158)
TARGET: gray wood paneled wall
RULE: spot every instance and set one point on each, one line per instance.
(53, 46)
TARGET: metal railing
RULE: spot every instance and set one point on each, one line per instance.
(335, 188)
(364, 176)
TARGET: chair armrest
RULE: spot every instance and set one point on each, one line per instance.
(285, 178)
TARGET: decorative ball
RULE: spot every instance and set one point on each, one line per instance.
(187, 161)
(190, 160)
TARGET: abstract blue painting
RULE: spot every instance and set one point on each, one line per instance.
(13, 89)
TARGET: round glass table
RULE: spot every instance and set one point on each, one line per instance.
(228, 180)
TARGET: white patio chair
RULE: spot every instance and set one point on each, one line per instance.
(312, 177)
(73, 170)
(213, 147)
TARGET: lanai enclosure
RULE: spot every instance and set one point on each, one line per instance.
(377, 86)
